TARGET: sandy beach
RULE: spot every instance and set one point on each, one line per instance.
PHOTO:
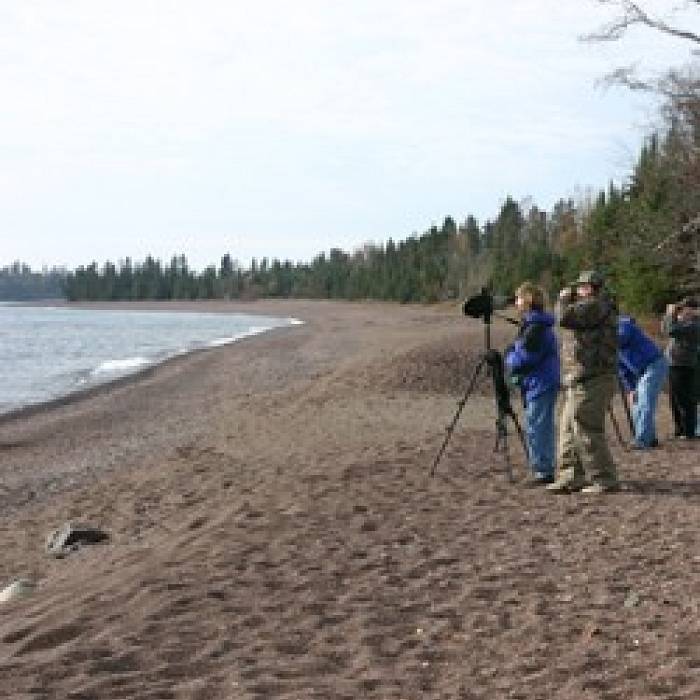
(274, 532)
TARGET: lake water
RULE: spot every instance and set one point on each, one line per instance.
(48, 352)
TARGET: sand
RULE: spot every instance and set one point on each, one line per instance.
(275, 533)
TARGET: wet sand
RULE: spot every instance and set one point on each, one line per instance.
(275, 533)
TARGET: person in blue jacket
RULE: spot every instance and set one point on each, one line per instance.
(642, 370)
(532, 362)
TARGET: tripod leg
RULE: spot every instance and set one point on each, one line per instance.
(521, 435)
(616, 426)
(502, 445)
(503, 405)
(626, 406)
(509, 464)
(462, 402)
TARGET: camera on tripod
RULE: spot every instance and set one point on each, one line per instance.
(483, 305)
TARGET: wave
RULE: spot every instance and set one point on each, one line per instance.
(129, 364)
(253, 330)
(132, 364)
(217, 342)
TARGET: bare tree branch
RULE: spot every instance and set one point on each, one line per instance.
(626, 76)
(632, 14)
(673, 85)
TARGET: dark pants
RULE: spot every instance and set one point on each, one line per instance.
(683, 401)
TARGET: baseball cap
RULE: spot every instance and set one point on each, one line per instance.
(592, 277)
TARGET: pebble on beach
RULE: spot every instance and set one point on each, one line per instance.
(21, 588)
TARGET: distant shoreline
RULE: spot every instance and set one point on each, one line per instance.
(33, 302)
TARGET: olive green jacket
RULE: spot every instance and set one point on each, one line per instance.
(589, 338)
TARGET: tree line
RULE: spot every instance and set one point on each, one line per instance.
(616, 229)
(19, 283)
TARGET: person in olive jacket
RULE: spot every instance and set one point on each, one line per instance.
(588, 321)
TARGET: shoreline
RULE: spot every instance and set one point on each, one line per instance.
(52, 446)
(266, 307)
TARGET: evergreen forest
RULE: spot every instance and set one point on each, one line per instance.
(19, 283)
(617, 229)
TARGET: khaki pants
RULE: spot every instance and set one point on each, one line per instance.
(583, 450)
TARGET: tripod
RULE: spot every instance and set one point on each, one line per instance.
(493, 361)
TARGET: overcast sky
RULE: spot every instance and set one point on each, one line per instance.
(282, 129)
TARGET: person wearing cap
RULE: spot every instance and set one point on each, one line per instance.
(642, 370)
(588, 319)
(682, 324)
(533, 365)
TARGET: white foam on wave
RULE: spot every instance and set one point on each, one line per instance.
(132, 364)
(119, 366)
(217, 342)
(253, 330)
(295, 322)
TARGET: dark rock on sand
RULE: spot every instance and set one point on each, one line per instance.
(71, 537)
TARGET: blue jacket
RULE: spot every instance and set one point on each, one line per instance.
(534, 356)
(635, 352)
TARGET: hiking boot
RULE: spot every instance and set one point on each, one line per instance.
(597, 488)
(564, 486)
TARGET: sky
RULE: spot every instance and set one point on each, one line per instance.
(282, 129)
